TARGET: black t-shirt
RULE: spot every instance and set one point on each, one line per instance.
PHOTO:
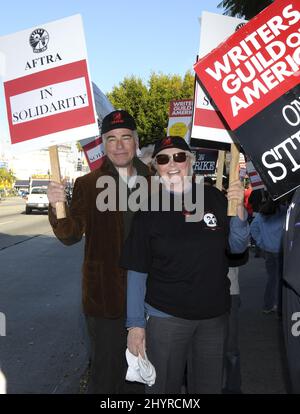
(186, 261)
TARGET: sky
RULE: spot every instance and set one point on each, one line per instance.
(123, 38)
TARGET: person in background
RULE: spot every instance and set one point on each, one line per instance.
(209, 181)
(267, 231)
(104, 282)
(177, 276)
(247, 194)
(256, 200)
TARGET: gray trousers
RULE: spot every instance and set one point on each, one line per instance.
(172, 343)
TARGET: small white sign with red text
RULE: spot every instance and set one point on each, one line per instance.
(47, 87)
(94, 153)
(180, 118)
(256, 181)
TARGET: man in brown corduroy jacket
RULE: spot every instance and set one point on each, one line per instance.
(104, 282)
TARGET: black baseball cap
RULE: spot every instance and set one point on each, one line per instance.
(117, 119)
(170, 142)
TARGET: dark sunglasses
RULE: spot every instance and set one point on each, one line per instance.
(163, 159)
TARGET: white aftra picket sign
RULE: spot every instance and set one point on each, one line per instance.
(48, 93)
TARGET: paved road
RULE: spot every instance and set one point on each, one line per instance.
(16, 226)
(44, 350)
(262, 351)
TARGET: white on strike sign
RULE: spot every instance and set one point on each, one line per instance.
(47, 87)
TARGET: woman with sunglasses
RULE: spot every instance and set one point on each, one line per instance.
(178, 294)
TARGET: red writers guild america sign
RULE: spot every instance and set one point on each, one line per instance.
(256, 65)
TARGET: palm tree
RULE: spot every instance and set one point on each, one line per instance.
(243, 8)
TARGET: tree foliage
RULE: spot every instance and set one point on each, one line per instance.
(243, 8)
(149, 103)
(7, 178)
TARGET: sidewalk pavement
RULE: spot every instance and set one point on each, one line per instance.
(263, 364)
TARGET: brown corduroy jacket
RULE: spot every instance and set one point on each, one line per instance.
(104, 282)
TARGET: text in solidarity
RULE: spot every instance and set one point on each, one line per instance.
(52, 99)
(60, 105)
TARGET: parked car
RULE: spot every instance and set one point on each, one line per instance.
(23, 193)
(37, 200)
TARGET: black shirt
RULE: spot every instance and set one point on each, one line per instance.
(186, 261)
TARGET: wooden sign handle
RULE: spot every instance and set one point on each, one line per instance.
(56, 176)
(233, 175)
(221, 159)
